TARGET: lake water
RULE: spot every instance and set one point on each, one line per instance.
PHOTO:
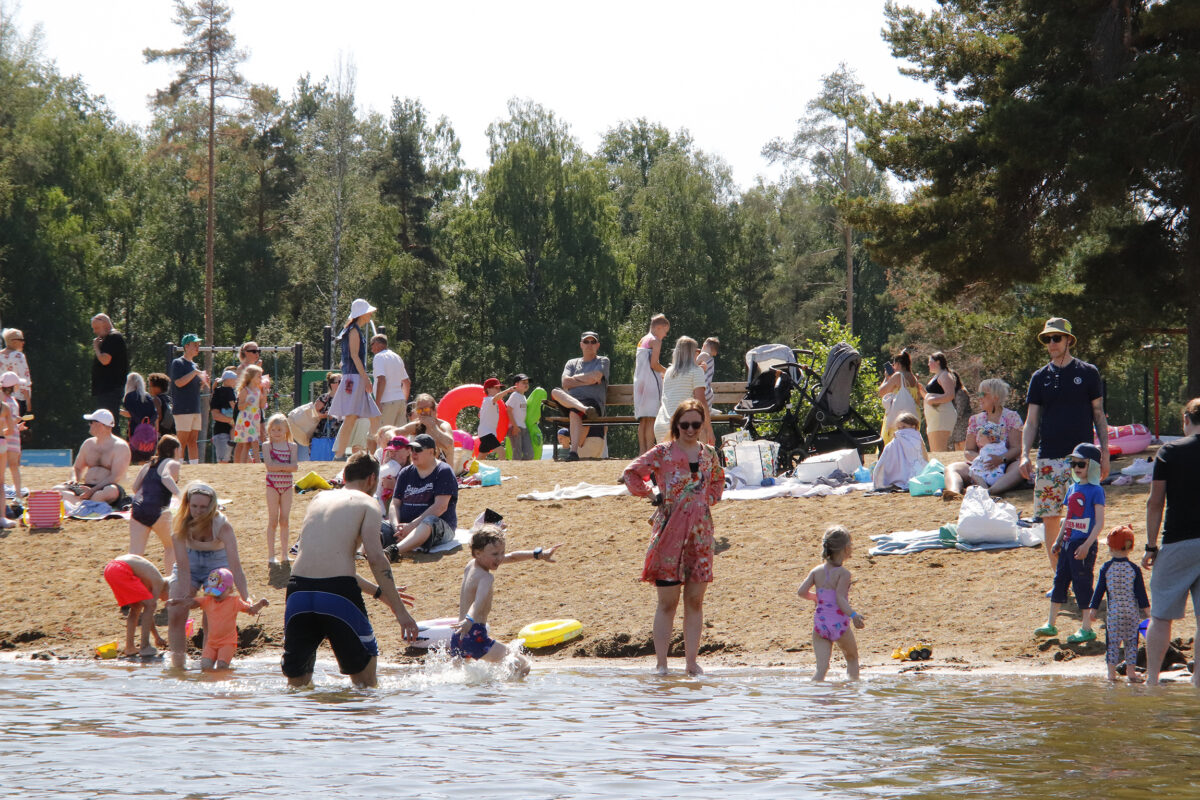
(79, 729)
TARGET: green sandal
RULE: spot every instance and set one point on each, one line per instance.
(1080, 636)
(1046, 630)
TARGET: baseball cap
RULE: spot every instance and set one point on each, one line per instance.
(229, 375)
(492, 383)
(422, 441)
(586, 334)
(1120, 538)
(101, 415)
(520, 376)
(398, 443)
(190, 338)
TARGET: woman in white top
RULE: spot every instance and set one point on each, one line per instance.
(683, 379)
(12, 359)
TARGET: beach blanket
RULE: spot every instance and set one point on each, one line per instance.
(579, 490)
(790, 487)
(902, 543)
(92, 510)
(462, 538)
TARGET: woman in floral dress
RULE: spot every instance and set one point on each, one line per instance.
(684, 478)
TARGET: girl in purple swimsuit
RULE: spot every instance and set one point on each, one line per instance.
(833, 617)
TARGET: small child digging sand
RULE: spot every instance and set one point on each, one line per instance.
(475, 599)
(138, 586)
(221, 606)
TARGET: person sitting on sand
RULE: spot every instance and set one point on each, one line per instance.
(138, 586)
(426, 422)
(471, 640)
(423, 511)
(101, 464)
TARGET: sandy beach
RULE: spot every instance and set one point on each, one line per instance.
(976, 610)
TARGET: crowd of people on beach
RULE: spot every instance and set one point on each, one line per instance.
(402, 497)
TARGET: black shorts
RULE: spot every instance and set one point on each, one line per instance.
(145, 514)
(326, 608)
(488, 442)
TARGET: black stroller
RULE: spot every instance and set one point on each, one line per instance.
(775, 374)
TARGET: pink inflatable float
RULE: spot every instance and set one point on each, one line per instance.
(1127, 439)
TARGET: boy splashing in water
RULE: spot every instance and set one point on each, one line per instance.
(475, 600)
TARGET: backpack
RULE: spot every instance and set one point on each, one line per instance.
(166, 420)
(144, 438)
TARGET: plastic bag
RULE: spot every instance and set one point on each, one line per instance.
(982, 519)
(931, 480)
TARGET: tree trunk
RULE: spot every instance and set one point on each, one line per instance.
(848, 235)
(210, 231)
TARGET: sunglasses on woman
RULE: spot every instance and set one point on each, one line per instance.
(254, 351)
(695, 426)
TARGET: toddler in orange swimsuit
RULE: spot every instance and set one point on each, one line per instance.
(279, 455)
(221, 606)
(833, 616)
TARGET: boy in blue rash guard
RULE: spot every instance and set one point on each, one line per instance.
(1076, 543)
(471, 640)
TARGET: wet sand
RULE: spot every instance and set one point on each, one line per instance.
(976, 610)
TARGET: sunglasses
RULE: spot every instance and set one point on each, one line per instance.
(1056, 338)
(417, 449)
(256, 352)
(590, 341)
(335, 381)
(1078, 464)
(695, 426)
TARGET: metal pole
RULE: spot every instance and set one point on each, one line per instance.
(297, 373)
(1146, 397)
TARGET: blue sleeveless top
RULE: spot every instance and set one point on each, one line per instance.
(348, 367)
(152, 493)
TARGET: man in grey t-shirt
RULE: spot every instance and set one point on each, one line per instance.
(584, 388)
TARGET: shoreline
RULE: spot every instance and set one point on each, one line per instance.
(977, 610)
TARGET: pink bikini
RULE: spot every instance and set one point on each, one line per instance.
(280, 481)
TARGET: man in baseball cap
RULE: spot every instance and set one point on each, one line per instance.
(1065, 404)
(584, 391)
(101, 464)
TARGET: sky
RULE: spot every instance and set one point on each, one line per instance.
(735, 75)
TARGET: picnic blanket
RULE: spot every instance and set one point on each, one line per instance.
(92, 510)
(790, 487)
(576, 492)
(462, 538)
(903, 543)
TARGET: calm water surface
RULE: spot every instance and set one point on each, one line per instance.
(77, 729)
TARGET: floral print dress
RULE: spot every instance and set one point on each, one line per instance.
(681, 541)
(249, 421)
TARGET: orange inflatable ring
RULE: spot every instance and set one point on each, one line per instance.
(470, 395)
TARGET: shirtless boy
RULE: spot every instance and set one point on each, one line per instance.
(137, 585)
(324, 599)
(475, 598)
(101, 464)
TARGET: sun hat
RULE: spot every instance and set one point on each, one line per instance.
(101, 415)
(11, 379)
(360, 307)
(190, 338)
(1120, 538)
(1056, 325)
(493, 383)
(229, 375)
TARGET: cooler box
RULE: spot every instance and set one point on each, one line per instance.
(824, 464)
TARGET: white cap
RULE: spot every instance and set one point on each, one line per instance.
(101, 415)
(11, 379)
(360, 307)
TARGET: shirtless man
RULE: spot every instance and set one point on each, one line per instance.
(427, 422)
(101, 464)
(324, 600)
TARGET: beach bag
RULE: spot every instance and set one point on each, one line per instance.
(900, 401)
(44, 510)
(931, 480)
(981, 519)
(303, 422)
(489, 475)
(752, 462)
(144, 438)
(321, 449)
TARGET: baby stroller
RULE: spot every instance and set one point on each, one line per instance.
(774, 376)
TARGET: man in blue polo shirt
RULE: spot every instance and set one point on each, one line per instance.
(1065, 405)
(186, 382)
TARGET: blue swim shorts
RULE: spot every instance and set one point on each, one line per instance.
(474, 645)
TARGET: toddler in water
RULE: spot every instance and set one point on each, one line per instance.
(221, 606)
(990, 440)
(279, 454)
(471, 640)
(1128, 605)
(833, 616)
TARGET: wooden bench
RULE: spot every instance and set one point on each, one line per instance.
(725, 393)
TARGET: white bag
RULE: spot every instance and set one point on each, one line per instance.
(303, 422)
(901, 401)
(981, 519)
(753, 461)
